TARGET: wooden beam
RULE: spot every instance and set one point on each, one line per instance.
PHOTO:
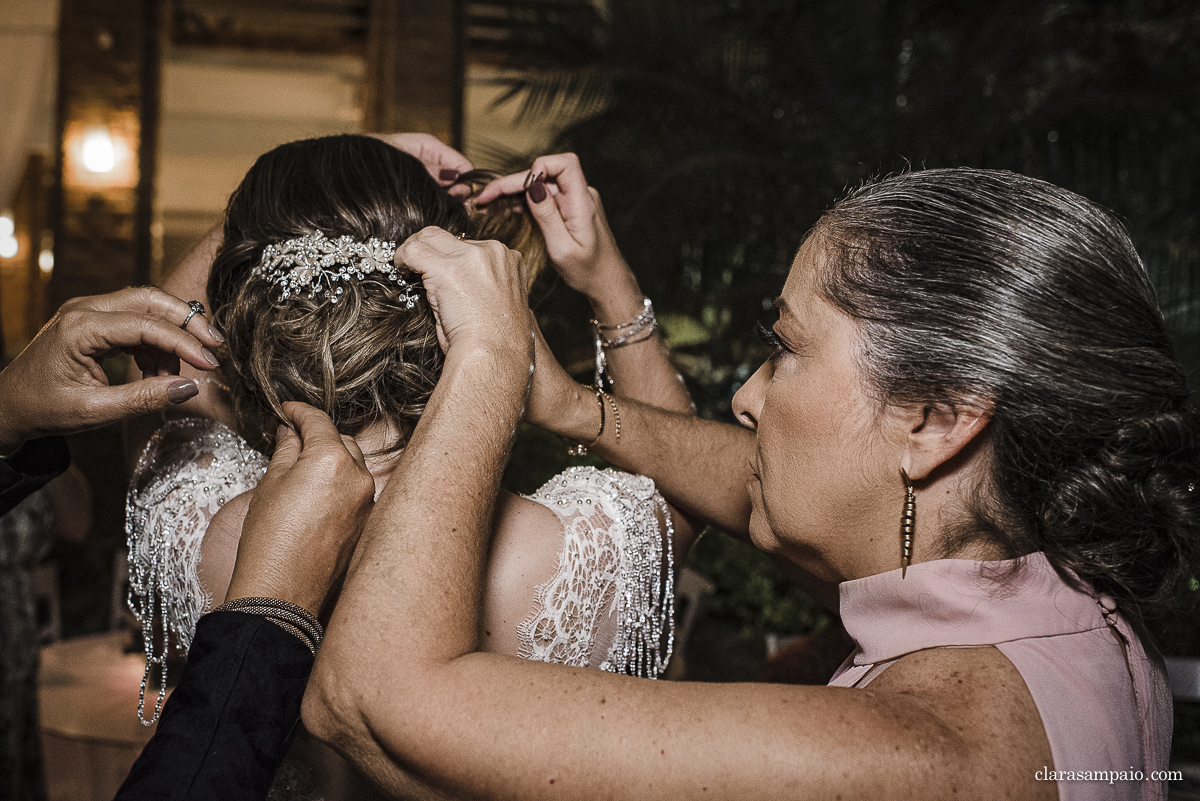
(415, 67)
(109, 69)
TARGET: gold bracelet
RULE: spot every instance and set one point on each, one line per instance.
(579, 449)
(616, 414)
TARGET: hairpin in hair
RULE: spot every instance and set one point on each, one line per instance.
(316, 265)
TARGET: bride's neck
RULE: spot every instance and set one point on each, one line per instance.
(376, 437)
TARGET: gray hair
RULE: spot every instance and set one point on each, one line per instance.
(983, 284)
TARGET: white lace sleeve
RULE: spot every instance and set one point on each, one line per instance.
(611, 602)
(188, 471)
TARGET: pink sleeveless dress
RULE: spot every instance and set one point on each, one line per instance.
(1100, 712)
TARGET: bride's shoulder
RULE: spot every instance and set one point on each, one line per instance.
(520, 513)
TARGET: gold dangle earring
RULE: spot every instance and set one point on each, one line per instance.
(907, 523)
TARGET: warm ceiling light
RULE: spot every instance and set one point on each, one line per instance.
(6, 225)
(46, 261)
(98, 152)
(8, 247)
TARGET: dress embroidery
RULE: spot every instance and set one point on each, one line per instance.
(614, 564)
(187, 472)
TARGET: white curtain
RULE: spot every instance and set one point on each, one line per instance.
(28, 35)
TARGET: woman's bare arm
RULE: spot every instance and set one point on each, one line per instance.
(955, 724)
(699, 465)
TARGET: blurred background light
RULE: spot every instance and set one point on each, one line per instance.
(99, 153)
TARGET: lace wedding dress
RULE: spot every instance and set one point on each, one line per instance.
(609, 604)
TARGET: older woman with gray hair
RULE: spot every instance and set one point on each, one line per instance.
(972, 433)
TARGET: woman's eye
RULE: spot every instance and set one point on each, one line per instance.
(770, 339)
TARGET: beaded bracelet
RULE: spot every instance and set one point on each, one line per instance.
(295, 620)
(639, 329)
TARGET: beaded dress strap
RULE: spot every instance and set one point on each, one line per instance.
(187, 472)
(615, 563)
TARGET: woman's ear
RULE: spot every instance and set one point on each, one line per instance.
(939, 433)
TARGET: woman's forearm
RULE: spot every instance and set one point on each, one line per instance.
(428, 531)
(640, 370)
(699, 465)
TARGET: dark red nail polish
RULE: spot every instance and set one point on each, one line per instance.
(537, 191)
(448, 175)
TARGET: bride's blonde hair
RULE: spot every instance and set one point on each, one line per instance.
(367, 358)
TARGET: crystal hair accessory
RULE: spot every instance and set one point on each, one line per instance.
(315, 265)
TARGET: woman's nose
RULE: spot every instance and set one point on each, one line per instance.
(747, 402)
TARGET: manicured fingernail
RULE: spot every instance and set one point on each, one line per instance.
(215, 334)
(182, 390)
(537, 191)
(448, 175)
(209, 357)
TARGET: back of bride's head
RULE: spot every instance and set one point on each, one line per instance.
(371, 356)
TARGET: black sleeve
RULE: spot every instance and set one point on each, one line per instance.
(30, 469)
(224, 729)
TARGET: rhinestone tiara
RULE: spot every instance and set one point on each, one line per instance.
(316, 266)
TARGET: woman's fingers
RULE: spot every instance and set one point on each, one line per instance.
(305, 516)
(443, 162)
(564, 206)
(93, 334)
(513, 184)
(287, 450)
(560, 173)
(554, 225)
(152, 301)
(474, 287)
(355, 451)
(564, 171)
(313, 426)
(426, 249)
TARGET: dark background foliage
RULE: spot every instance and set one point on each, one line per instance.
(717, 131)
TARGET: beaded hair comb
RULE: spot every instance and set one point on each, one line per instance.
(315, 265)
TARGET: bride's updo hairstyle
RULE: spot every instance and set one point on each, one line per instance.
(367, 358)
(986, 288)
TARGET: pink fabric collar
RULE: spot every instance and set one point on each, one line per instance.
(963, 602)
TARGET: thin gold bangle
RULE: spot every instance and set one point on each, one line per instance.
(616, 415)
(579, 449)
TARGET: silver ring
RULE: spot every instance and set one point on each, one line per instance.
(195, 307)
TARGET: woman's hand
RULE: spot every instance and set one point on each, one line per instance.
(306, 514)
(581, 245)
(578, 239)
(476, 290)
(443, 162)
(58, 386)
